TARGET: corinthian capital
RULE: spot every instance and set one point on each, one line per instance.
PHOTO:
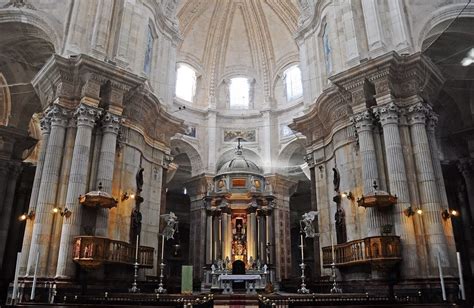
(387, 114)
(417, 113)
(57, 115)
(86, 115)
(45, 124)
(363, 121)
(111, 123)
(432, 121)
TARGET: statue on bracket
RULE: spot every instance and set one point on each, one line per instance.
(336, 179)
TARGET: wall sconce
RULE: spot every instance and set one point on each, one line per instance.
(66, 212)
(446, 214)
(126, 196)
(24, 216)
(348, 195)
(410, 211)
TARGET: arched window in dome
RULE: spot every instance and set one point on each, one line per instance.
(239, 93)
(294, 87)
(185, 82)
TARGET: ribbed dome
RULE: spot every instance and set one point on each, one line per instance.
(238, 164)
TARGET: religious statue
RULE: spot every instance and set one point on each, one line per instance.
(210, 188)
(307, 223)
(339, 217)
(253, 186)
(336, 179)
(139, 179)
(259, 265)
(171, 225)
(226, 262)
(136, 224)
(213, 268)
(219, 265)
(251, 263)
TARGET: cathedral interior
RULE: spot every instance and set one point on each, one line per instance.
(161, 151)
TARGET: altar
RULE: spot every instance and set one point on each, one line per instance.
(250, 281)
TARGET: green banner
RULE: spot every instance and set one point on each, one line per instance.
(186, 279)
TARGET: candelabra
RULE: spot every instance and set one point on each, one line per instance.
(134, 288)
(303, 289)
(161, 288)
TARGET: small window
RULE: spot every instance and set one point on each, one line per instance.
(239, 90)
(185, 82)
(148, 51)
(294, 88)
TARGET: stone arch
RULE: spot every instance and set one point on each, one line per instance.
(437, 21)
(44, 28)
(291, 157)
(181, 146)
(5, 103)
(29, 38)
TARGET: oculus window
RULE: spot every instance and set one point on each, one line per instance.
(185, 82)
(294, 87)
(239, 92)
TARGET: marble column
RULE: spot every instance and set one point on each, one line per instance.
(209, 242)
(41, 234)
(253, 234)
(45, 125)
(398, 185)
(225, 240)
(428, 188)
(105, 172)
(86, 118)
(364, 124)
(217, 237)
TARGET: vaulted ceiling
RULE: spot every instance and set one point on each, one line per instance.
(228, 37)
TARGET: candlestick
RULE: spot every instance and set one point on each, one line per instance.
(162, 248)
(136, 249)
(332, 245)
(461, 278)
(441, 278)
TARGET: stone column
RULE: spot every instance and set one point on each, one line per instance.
(14, 169)
(45, 124)
(398, 185)
(465, 167)
(47, 191)
(209, 242)
(86, 118)
(429, 191)
(364, 125)
(105, 172)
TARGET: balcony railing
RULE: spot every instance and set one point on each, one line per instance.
(382, 249)
(93, 251)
